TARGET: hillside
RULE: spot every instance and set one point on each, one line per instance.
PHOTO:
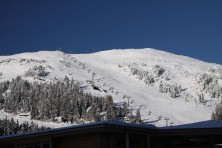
(162, 85)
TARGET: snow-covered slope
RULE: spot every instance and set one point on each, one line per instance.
(164, 86)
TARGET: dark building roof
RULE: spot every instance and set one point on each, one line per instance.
(199, 128)
(202, 124)
(109, 126)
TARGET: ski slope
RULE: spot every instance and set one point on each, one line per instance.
(114, 72)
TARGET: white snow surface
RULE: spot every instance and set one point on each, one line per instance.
(112, 73)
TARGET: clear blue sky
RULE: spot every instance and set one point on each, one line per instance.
(188, 27)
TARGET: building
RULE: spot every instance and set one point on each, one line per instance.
(1, 102)
(113, 134)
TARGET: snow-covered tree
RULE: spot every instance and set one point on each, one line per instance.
(50, 101)
(138, 117)
(217, 114)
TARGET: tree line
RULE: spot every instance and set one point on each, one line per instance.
(63, 99)
(9, 127)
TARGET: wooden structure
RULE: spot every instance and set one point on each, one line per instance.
(112, 134)
(2, 101)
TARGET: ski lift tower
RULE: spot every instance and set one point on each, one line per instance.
(93, 76)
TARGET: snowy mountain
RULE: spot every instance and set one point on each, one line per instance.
(167, 88)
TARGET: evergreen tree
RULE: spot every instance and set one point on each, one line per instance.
(47, 101)
(138, 117)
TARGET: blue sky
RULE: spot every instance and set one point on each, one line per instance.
(187, 27)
